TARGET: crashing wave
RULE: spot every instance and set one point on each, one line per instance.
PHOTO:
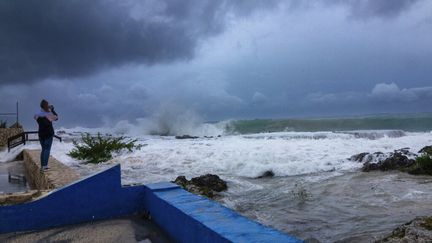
(376, 134)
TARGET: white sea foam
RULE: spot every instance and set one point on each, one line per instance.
(237, 156)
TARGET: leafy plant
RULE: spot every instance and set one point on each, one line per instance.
(423, 165)
(3, 124)
(97, 149)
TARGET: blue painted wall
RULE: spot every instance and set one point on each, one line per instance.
(100, 196)
(182, 215)
(191, 218)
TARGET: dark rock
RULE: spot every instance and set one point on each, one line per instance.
(359, 157)
(404, 151)
(426, 150)
(186, 137)
(181, 181)
(368, 157)
(266, 174)
(391, 161)
(370, 166)
(211, 181)
(417, 230)
(396, 161)
(205, 185)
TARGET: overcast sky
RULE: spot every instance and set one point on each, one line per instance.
(103, 61)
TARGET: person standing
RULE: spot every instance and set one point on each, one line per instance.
(44, 119)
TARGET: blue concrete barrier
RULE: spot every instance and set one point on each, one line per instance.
(97, 197)
(185, 217)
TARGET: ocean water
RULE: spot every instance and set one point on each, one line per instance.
(317, 192)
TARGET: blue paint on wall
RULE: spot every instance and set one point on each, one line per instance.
(191, 218)
(184, 216)
(97, 197)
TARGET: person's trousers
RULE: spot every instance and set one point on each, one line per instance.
(46, 149)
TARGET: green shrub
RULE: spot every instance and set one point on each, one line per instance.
(422, 166)
(97, 149)
(424, 163)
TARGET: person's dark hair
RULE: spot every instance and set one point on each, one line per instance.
(44, 104)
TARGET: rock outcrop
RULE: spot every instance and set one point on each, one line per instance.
(206, 185)
(418, 230)
(186, 137)
(426, 150)
(395, 161)
(266, 174)
(401, 159)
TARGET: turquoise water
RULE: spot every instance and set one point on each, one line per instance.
(406, 122)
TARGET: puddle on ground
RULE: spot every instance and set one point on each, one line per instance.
(16, 183)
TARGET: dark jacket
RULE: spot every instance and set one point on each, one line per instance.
(46, 128)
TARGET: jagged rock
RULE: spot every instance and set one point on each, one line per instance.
(395, 161)
(181, 181)
(186, 137)
(368, 157)
(417, 230)
(205, 185)
(404, 151)
(266, 174)
(211, 181)
(359, 157)
(426, 150)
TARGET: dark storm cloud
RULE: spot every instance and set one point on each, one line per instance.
(376, 8)
(66, 39)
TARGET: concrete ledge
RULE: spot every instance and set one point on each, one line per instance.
(97, 197)
(57, 176)
(187, 217)
(20, 197)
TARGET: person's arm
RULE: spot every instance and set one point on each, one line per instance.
(55, 118)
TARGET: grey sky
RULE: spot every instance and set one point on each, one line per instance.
(101, 62)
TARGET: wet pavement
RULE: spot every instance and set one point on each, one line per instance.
(126, 229)
(16, 168)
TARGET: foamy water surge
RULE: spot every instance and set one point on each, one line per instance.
(317, 191)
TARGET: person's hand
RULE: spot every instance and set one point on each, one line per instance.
(51, 107)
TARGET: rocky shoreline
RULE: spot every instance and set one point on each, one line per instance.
(401, 159)
(419, 229)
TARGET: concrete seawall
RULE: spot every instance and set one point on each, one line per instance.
(58, 174)
(6, 133)
(40, 183)
(184, 216)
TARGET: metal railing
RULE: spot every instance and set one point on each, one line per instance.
(22, 138)
(14, 114)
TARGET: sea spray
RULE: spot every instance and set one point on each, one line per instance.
(169, 120)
